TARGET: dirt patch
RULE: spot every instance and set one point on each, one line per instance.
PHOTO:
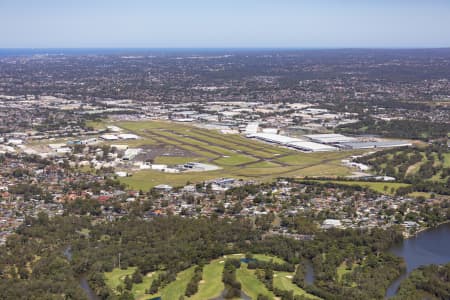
(412, 168)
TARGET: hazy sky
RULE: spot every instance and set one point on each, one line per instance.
(224, 23)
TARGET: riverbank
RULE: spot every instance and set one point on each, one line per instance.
(429, 246)
(84, 284)
(407, 235)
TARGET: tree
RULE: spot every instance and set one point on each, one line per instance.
(154, 286)
(128, 283)
(137, 277)
(299, 276)
(126, 295)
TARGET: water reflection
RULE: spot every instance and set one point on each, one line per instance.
(428, 247)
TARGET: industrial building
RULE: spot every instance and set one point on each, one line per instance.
(122, 136)
(295, 143)
(131, 153)
(326, 142)
(375, 144)
(252, 128)
(312, 147)
(128, 136)
(275, 138)
(109, 137)
(331, 138)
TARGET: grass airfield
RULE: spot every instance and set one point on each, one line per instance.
(237, 156)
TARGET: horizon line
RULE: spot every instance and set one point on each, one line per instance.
(232, 48)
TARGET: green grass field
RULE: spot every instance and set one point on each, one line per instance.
(211, 285)
(263, 164)
(283, 281)
(264, 257)
(250, 283)
(411, 168)
(96, 125)
(175, 160)
(342, 270)
(116, 277)
(447, 160)
(376, 186)
(175, 289)
(144, 180)
(420, 194)
(234, 160)
(300, 159)
(238, 156)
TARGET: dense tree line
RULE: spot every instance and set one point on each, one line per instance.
(259, 264)
(32, 264)
(192, 286)
(418, 167)
(161, 281)
(232, 285)
(168, 245)
(329, 249)
(408, 129)
(300, 275)
(429, 282)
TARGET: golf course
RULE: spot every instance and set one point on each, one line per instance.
(211, 285)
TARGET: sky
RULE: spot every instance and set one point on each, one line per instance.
(224, 23)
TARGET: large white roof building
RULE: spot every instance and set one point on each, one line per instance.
(292, 142)
(311, 146)
(275, 138)
(252, 128)
(330, 138)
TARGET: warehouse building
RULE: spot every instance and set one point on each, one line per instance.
(128, 136)
(375, 144)
(275, 138)
(291, 142)
(311, 147)
(131, 153)
(252, 128)
(109, 137)
(331, 138)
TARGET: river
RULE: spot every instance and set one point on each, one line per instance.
(90, 294)
(428, 247)
(309, 276)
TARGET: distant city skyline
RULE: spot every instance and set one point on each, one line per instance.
(225, 24)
